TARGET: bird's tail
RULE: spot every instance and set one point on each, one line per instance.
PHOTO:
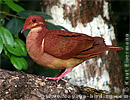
(114, 48)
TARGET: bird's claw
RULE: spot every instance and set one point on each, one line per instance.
(56, 78)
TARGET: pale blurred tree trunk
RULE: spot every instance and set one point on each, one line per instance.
(91, 17)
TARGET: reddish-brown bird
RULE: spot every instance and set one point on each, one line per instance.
(59, 49)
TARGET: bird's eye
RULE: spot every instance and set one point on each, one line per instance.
(34, 20)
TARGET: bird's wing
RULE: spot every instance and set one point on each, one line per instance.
(64, 44)
(99, 47)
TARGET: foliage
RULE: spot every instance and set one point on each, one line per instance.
(10, 43)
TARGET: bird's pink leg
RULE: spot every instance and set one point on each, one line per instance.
(60, 73)
(60, 77)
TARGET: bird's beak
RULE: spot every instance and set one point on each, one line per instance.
(25, 27)
(23, 30)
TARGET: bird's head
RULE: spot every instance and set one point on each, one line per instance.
(33, 21)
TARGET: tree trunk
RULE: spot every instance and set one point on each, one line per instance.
(92, 18)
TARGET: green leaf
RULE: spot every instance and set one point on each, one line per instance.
(15, 25)
(6, 36)
(61, 27)
(13, 6)
(0, 1)
(1, 45)
(22, 46)
(52, 26)
(27, 13)
(19, 62)
(14, 50)
(16, 0)
(26, 32)
(18, 49)
(4, 8)
(0, 24)
(7, 53)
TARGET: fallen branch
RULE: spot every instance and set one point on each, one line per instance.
(22, 86)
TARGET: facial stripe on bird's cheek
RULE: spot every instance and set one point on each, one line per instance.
(34, 24)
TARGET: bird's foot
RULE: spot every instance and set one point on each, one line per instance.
(56, 78)
(60, 75)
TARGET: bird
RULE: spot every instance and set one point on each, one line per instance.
(60, 49)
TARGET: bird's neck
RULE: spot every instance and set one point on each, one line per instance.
(38, 32)
(35, 37)
(41, 30)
